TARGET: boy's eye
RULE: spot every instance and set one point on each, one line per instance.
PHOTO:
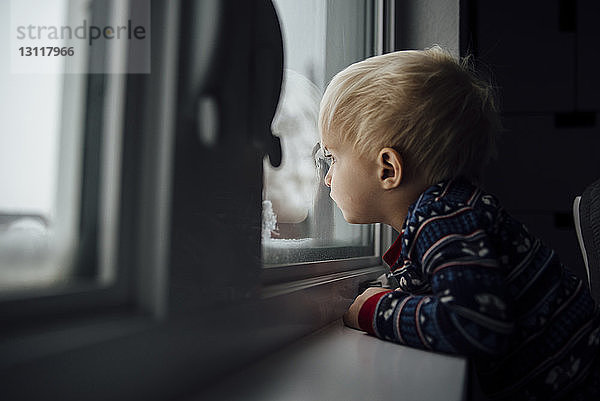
(328, 158)
(323, 159)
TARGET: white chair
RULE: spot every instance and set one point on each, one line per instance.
(586, 213)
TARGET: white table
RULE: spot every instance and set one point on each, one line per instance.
(339, 363)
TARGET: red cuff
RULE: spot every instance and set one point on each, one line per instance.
(367, 312)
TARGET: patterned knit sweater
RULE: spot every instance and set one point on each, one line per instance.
(474, 282)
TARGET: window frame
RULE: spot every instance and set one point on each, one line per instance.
(106, 260)
(81, 190)
(138, 324)
(149, 295)
(383, 238)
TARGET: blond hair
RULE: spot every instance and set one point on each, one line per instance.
(432, 109)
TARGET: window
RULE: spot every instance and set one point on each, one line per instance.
(39, 161)
(164, 174)
(60, 154)
(300, 221)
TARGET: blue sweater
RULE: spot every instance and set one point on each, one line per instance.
(474, 282)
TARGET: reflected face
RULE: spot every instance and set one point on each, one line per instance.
(353, 181)
(291, 187)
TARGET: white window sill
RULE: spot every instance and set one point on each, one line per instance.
(339, 363)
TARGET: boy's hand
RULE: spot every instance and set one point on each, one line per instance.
(351, 316)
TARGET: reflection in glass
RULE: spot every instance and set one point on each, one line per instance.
(300, 221)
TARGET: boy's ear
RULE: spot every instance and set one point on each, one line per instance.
(390, 168)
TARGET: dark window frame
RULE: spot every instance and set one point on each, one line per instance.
(81, 327)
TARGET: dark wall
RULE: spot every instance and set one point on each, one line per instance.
(544, 59)
(424, 23)
(542, 56)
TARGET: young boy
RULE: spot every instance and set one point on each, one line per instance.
(408, 134)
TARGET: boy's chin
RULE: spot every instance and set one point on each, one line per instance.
(357, 219)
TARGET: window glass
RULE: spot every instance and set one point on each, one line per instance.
(46, 94)
(300, 221)
(30, 106)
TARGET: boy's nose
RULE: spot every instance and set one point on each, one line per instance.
(327, 178)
